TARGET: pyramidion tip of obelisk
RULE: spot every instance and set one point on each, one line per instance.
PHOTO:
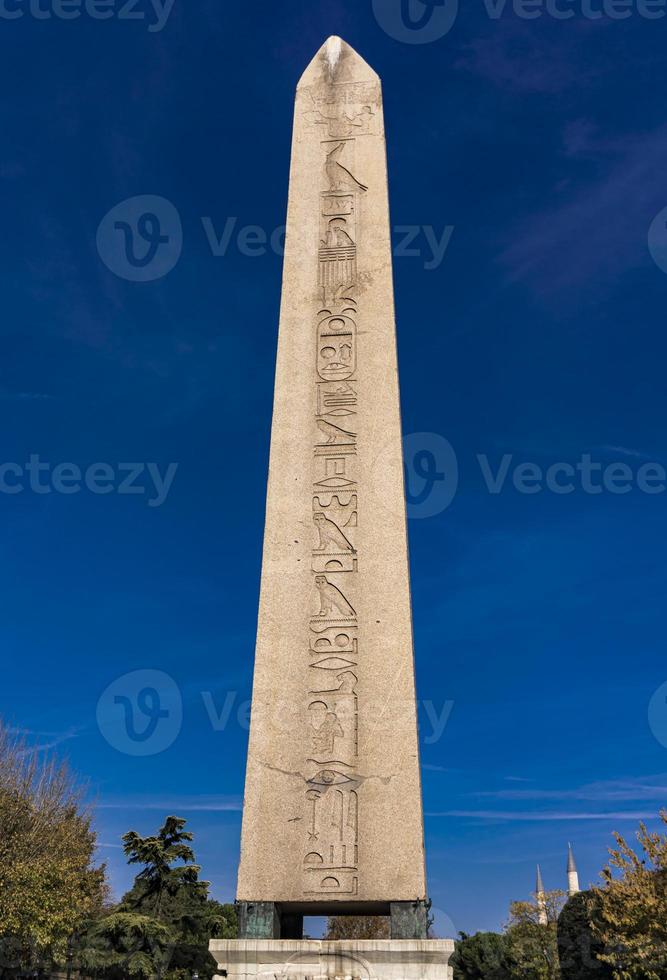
(337, 61)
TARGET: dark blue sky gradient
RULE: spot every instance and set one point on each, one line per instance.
(542, 335)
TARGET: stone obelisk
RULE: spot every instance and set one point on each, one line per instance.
(332, 818)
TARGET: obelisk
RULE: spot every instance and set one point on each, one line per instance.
(332, 817)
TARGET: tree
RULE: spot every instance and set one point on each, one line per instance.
(533, 947)
(49, 884)
(578, 947)
(169, 870)
(163, 925)
(481, 957)
(124, 943)
(632, 922)
(358, 927)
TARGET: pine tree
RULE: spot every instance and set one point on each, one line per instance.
(162, 926)
(483, 956)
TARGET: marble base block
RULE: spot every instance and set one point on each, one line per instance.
(316, 959)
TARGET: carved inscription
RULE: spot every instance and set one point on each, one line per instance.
(339, 176)
(336, 348)
(334, 664)
(346, 110)
(337, 121)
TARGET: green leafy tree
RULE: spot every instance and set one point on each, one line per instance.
(163, 925)
(123, 943)
(482, 956)
(632, 921)
(170, 872)
(49, 883)
(533, 947)
(579, 948)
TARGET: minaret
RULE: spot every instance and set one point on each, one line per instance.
(541, 897)
(572, 873)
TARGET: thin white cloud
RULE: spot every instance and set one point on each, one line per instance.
(544, 815)
(187, 804)
(621, 790)
(578, 241)
(625, 451)
(54, 738)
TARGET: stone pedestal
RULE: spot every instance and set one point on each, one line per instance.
(316, 959)
(269, 920)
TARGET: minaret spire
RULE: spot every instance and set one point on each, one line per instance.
(572, 873)
(541, 897)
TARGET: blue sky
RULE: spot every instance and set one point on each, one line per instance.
(540, 337)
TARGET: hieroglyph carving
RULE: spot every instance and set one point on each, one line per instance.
(331, 838)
